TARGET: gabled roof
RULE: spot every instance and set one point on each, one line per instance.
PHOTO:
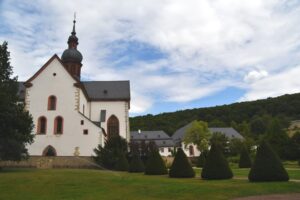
(107, 90)
(160, 138)
(45, 66)
(227, 131)
(149, 135)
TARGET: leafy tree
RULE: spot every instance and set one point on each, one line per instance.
(216, 166)
(245, 160)
(221, 140)
(181, 167)
(258, 126)
(267, 165)
(278, 139)
(155, 164)
(108, 155)
(235, 146)
(15, 122)
(122, 163)
(197, 132)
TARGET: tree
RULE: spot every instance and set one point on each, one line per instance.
(278, 139)
(155, 164)
(221, 140)
(15, 122)
(258, 126)
(267, 166)
(136, 164)
(245, 160)
(216, 166)
(122, 163)
(108, 155)
(181, 167)
(197, 132)
(201, 159)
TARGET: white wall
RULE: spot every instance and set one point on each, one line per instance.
(185, 148)
(117, 108)
(67, 96)
(164, 151)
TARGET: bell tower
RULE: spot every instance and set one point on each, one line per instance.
(71, 57)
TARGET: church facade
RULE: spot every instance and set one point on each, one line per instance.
(71, 116)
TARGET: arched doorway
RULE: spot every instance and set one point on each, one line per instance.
(49, 151)
(191, 150)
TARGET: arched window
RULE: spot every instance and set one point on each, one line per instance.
(112, 126)
(52, 103)
(191, 150)
(58, 125)
(42, 125)
(49, 151)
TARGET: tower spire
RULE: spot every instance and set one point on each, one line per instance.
(74, 22)
(71, 57)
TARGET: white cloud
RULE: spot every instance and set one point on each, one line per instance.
(286, 82)
(255, 75)
(208, 45)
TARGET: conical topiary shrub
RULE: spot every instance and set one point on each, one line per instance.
(136, 164)
(122, 163)
(181, 167)
(201, 159)
(155, 164)
(245, 160)
(216, 166)
(267, 166)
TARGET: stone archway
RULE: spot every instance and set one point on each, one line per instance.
(49, 151)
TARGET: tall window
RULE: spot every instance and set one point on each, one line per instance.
(58, 125)
(42, 125)
(52, 103)
(113, 126)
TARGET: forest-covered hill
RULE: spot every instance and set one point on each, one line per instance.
(241, 115)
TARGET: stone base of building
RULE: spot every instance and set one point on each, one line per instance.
(52, 162)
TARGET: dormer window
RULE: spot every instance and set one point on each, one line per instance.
(52, 103)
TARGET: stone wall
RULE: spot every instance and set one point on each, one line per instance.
(52, 162)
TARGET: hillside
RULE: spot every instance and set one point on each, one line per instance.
(286, 106)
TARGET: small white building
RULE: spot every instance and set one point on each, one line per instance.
(191, 150)
(71, 116)
(164, 143)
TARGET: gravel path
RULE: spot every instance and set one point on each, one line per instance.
(273, 197)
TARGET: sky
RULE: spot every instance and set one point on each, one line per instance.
(177, 54)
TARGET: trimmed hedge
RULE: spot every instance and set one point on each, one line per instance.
(136, 164)
(267, 166)
(122, 163)
(216, 166)
(181, 167)
(245, 160)
(155, 164)
(201, 159)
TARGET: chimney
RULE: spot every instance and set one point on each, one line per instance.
(139, 131)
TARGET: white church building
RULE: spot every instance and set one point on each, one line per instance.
(71, 116)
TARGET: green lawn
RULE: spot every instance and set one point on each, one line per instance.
(96, 184)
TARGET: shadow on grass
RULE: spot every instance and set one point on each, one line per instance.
(17, 170)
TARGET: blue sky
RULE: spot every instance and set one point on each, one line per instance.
(176, 54)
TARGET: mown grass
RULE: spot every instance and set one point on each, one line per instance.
(96, 184)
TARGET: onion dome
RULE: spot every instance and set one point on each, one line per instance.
(72, 54)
